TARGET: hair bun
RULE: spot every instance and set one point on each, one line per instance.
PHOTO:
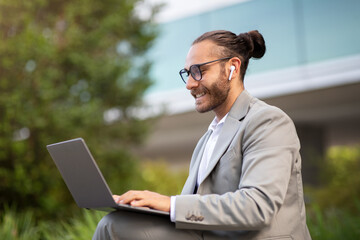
(258, 43)
(254, 44)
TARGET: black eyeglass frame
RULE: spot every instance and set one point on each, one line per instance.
(188, 72)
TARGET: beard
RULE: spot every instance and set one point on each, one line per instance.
(217, 94)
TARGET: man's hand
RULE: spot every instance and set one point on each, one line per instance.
(144, 199)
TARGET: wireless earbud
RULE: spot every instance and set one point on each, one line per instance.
(232, 68)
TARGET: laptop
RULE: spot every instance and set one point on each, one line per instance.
(84, 178)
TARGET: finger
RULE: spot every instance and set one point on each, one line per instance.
(139, 203)
(129, 196)
(116, 198)
(122, 198)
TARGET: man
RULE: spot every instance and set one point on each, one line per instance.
(245, 173)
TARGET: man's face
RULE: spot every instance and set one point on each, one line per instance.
(212, 90)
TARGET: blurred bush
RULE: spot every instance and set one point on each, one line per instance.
(341, 180)
(158, 176)
(69, 69)
(334, 223)
(17, 226)
(333, 210)
(80, 227)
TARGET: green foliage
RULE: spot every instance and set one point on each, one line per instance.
(159, 177)
(17, 226)
(334, 224)
(334, 209)
(341, 188)
(79, 228)
(63, 64)
(20, 226)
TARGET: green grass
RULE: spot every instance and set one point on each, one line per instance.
(21, 226)
(17, 226)
(78, 228)
(323, 225)
(334, 224)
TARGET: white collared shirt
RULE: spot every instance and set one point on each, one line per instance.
(216, 128)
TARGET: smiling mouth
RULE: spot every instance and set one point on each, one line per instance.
(199, 95)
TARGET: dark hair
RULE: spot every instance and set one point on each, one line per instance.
(243, 46)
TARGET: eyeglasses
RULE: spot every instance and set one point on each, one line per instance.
(195, 70)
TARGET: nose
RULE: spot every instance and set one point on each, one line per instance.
(191, 83)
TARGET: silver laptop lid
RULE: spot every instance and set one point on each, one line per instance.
(81, 174)
(83, 177)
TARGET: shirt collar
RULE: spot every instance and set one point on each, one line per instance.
(215, 122)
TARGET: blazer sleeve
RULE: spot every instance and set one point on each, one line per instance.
(268, 145)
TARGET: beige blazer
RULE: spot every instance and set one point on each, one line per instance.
(253, 186)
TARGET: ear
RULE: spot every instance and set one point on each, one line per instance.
(234, 68)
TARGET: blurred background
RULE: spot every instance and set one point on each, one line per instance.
(108, 72)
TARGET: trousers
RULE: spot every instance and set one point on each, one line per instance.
(131, 225)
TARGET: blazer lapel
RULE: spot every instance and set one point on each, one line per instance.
(237, 112)
(195, 163)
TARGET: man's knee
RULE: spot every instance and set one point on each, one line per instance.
(131, 225)
(122, 225)
(104, 227)
(107, 220)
